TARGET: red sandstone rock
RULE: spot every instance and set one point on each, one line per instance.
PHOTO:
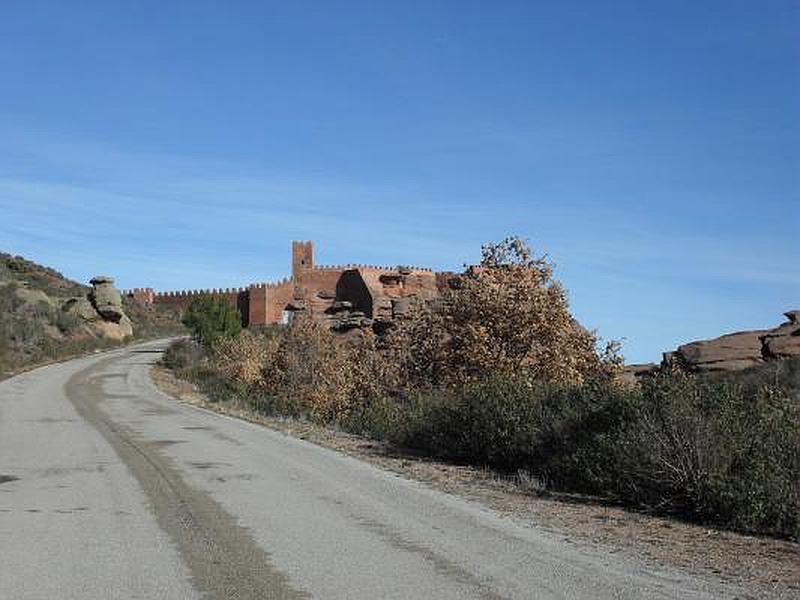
(726, 353)
(784, 340)
(740, 350)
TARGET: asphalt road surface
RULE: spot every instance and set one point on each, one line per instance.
(109, 489)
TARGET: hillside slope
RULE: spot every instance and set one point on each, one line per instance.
(45, 316)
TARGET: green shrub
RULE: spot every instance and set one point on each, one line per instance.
(706, 449)
(558, 431)
(716, 451)
(211, 319)
(380, 418)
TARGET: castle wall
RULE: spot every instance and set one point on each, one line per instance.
(278, 299)
(237, 297)
(144, 296)
(352, 287)
(317, 288)
(268, 301)
(313, 289)
(257, 312)
(302, 257)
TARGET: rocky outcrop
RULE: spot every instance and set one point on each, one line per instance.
(343, 316)
(731, 352)
(106, 298)
(737, 351)
(783, 341)
(82, 309)
(101, 311)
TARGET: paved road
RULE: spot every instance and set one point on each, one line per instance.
(112, 490)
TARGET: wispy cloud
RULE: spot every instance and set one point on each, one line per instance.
(179, 222)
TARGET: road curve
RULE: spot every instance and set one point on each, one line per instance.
(110, 489)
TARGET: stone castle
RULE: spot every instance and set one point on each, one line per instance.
(345, 297)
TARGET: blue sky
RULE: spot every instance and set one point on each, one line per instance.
(651, 149)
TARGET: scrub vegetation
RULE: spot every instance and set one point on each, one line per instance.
(497, 373)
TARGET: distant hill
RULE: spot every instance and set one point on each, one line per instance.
(45, 316)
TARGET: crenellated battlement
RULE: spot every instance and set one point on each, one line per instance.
(206, 292)
(349, 266)
(270, 284)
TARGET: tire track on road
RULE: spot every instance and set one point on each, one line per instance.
(224, 560)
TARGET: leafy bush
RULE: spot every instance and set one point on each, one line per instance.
(325, 379)
(507, 316)
(211, 319)
(709, 449)
(714, 450)
(558, 431)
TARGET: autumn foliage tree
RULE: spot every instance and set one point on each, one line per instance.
(505, 316)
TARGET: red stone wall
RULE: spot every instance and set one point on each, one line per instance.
(302, 257)
(268, 301)
(278, 298)
(416, 282)
(144, 296)
(257, 314)
(311, 288)
(237, 298)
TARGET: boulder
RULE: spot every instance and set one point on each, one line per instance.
(81, 308)
(106, 298)
(113, 331)
(730, 352)
(382, 308)
(733, 352)
(125, 326)
(784, 340)
(296, 305)
(346, 320)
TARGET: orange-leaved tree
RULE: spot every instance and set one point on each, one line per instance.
(506, 316)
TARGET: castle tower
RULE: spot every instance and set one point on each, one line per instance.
(302, 257)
